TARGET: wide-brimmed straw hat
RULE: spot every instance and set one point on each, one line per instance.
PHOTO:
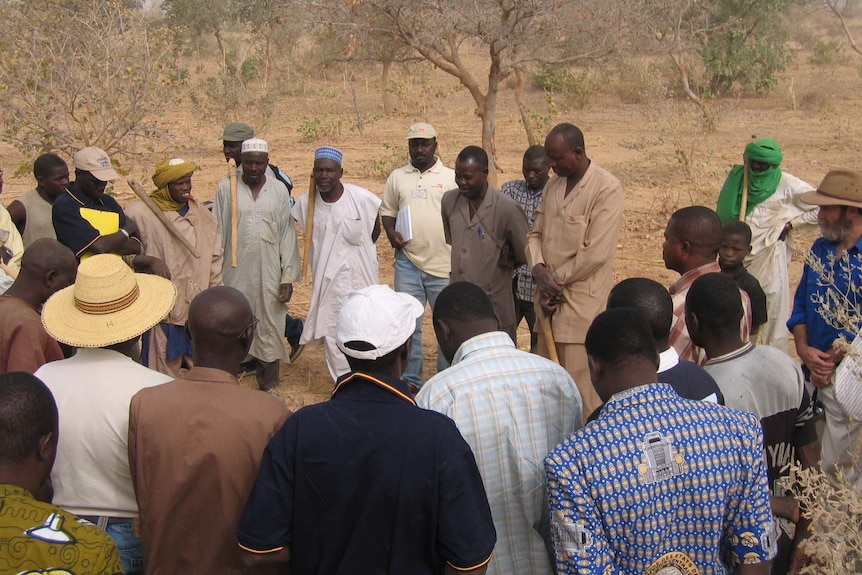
(838, 188)
(108, 304)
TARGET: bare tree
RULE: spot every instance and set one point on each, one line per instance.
(82, 72)
(513, 34)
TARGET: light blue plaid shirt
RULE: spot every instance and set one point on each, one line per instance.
(512, 407)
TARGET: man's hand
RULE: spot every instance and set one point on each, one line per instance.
(151, 265)
(547, 280)
(548, 303)
(396, 240)
(819, 362)
(285, 292)
(131, 227)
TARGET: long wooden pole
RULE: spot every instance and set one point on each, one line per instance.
(141, 192)
(234, 212)
(745, 176)
(547, 329)
(309, 225)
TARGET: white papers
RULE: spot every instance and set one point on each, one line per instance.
(404, 224)
(848, 381)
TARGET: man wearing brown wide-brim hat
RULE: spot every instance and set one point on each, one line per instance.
(103, 314)
(822, 292)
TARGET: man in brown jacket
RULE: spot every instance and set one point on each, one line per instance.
(195, 444)
(571, 250)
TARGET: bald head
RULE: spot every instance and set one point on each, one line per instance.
(221, 325)
(47, 266)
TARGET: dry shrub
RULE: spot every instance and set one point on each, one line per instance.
(637, 80)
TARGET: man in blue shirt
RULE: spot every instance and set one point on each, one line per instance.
(657, 484)
(824, 309)
(367, 482)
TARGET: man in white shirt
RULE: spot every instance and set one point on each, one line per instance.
(103, 314)
(422, 261)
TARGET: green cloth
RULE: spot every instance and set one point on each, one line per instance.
(761, 185)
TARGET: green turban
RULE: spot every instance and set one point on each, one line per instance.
(167, 172)
(761, 185)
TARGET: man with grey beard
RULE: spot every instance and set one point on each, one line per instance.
(832, 280)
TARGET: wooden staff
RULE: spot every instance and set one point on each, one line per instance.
(309, 224)
(744, 206)
(141, 192)
(547, 329)
(234, 211)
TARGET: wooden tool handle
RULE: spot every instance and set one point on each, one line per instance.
(309, 225)
(745, 176)
(141, 192)
(234, 212)
(547, 330)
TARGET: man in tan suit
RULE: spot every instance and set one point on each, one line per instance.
(571, 250)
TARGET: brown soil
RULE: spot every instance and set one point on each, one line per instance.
(656, 146)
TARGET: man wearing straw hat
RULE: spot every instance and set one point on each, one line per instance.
(103, 314)
(830, 287)
(167, 346)
(773, 208)
(267, 255)
(343, 253)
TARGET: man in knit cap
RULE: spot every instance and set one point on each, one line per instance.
(343, 253)
(773, 209)
(165, 347)
(267, 254)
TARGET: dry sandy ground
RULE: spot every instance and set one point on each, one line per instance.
(646, 144)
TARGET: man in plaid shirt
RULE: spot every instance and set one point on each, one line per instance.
(528, 194)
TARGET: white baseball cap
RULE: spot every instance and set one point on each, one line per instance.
(97, 162)
(379, 317)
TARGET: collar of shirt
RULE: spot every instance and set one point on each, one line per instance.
(210, 375)
(11, 490)
(480, 342)
(396, 387)
(731, 355)
(688, 277)
(434, 169)
(667, 359)
(637, 395)
(75, 191)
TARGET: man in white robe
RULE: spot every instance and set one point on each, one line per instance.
(773, 210)
(267, 255)
(343, 253)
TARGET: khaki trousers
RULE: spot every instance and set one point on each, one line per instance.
(573, 357)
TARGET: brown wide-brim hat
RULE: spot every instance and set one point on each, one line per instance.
(838, 188)
(108, 304)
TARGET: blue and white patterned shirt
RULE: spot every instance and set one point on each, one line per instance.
(512, 407)
(660, 484)
(529, 202)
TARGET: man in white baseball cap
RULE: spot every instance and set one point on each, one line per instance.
(88, 221)
(367, 479)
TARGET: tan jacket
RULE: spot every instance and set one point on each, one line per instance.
(191, 275)
(576, 236)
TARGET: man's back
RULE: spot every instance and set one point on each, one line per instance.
(37, 537)
(93, 390)
(194, 447)
(512, 407)
(24, 343)
(660, 480)
(368, 483)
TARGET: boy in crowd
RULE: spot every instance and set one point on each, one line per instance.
(735, 246)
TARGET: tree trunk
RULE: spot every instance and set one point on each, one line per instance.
(532, 137)
(384, 87)
(686, 87)
(489, 129)
(222, 50)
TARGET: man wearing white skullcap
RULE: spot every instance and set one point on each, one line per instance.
(343, 251)
(267, 254)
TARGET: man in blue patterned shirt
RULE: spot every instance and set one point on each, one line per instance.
(657, 484)
(528, 193)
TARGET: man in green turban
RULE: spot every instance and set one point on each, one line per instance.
(166, 346)
(772, 210)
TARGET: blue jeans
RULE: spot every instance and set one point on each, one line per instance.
(424, 287)
(129, 547)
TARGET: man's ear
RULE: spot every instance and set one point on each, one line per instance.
(442, 330)
(47, 447)
(692, 323)
(685, 249)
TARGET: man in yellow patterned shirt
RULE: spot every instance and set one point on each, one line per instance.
(35, 536)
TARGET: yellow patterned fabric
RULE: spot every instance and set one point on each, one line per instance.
(37, 537)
